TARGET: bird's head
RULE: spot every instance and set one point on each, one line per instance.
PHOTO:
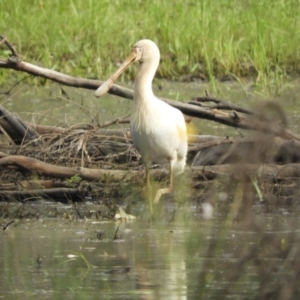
(144, 51)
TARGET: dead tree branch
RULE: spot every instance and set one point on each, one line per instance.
(275, 173)
(34, 166)
(220, 104)
(14, 128)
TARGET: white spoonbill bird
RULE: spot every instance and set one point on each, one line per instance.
(158, 130)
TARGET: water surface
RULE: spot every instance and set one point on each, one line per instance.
(158, 259)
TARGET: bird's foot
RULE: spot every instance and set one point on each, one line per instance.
(123, 215)
(161, 192)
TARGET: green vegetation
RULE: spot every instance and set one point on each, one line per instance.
(74, 179)
(207, 39)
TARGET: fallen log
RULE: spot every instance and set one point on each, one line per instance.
(275, 173)
(14, 128)
(34, 166)
(256, 149)
(219, 104)
(27, 164)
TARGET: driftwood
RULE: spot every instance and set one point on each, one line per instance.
(85, 161)
(34, 166)
(220, 104)
(14, 128)
(275, 173)
(260, 149)
(26, 164)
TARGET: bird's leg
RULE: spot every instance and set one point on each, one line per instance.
(167, 190)
(148, 190)
(147, 178)
(171, 176)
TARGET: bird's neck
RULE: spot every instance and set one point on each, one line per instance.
(143, 83)
(144, 112)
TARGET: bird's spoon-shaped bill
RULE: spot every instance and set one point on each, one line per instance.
(104, 88)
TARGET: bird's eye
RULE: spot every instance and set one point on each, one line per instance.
(140, 53)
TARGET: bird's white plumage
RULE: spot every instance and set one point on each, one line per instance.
(158, 130)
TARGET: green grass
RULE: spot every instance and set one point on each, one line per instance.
(197, 38)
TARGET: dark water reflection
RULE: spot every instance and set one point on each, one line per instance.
(61, 259)
(47, 258)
